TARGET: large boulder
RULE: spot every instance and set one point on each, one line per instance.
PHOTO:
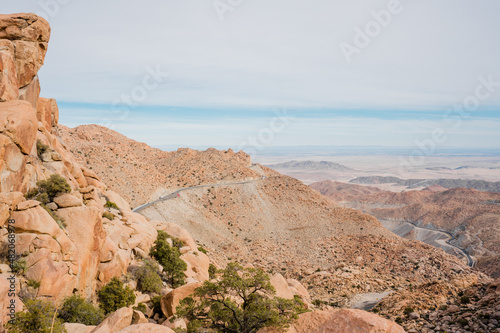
(116, 321)
(78, 328)
(170, 301)
(146, 328)
(30, 34)
(282, 290)
(340, 321)
(47, 112)
(18, 122)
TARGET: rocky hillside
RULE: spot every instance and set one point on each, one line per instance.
(472, 216)
(276, 222)
(72, 234)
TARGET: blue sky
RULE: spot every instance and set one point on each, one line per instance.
(224, 68)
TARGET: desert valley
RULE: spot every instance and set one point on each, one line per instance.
(101, 233)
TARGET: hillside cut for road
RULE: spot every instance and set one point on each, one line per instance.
(276, 223)
(472, 216)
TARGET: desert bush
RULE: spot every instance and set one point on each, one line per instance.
(242, 300)
(76, 309)
(141, 307)
(41, 148)
(170, 259)
(201, 249)
(148, 279)
(56, 184)
(38, 317)
(157, 304)
(108, 215)
(212, 271)
(110, 204)
(19, 266)
(114, 296)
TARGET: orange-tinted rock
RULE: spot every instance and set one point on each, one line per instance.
(5, 299)
(24, 26)
(31, 92)
(35, 220)
(341, 321)
(67, 200)
(197, 266)
(170, 301)
(9, 86)
(116, 321)
(282, 290)
(146, 328)
(47, 112)
(18, 121)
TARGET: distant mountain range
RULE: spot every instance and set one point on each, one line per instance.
(310, 165)
(480, 185)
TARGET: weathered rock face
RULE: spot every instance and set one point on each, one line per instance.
(81, 251)
(341, 321)
(28, 35)
(170, 301)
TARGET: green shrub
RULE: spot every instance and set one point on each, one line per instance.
(108, 215)
(148, 279)
(76, 309)
(41, 148)
(201, 249)
(157, 304)
(33, 284)
(141, 307)
(19, 266)
(38, 317)
(114, 296)
(170, 258)
(110, 204)
(53, 186)
(212, 271)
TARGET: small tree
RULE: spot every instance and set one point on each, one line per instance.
(114, 296)
(148, 279)
(76, 309)
(170, 258)
(38, 317)
(241, 301)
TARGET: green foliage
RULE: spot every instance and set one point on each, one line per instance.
(108, 215)
(170, 258)
(110, 204)
(19, 266)
(148, 279)
(114, 296)
(41, 148)
(53, 186)
(76, 309)
(38, 317)
(242, 300)
(201, 249)
(156, 304)
(33, 284)
(141, 307)
(212, 271)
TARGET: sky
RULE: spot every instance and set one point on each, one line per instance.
(246, 74)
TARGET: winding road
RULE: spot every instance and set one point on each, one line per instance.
(174, 195)
(470, 261)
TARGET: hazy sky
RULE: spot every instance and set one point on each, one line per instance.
(351, 72)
